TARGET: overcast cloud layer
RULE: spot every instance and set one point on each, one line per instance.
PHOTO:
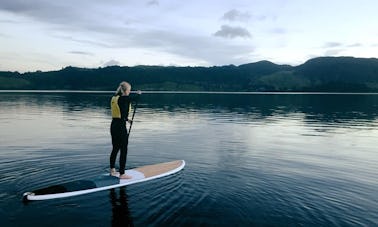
(49, 35)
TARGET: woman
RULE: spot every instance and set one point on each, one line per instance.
(120, 107)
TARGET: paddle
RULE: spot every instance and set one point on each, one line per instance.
(132, 118)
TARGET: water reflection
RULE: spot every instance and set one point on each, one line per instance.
(120, 210)
(64, 113)
(318, 107)
(329, 108)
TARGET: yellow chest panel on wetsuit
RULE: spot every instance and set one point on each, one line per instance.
(116, 112)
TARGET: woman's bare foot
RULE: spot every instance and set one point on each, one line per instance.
(124, 176)
(113, 172)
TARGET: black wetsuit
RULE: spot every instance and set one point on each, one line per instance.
(118, 130)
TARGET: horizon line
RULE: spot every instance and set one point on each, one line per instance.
(182, 66)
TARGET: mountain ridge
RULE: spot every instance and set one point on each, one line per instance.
(332, 74)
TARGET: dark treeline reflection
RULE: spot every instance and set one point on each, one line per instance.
(315, 107)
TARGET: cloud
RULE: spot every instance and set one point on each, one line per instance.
(236, 15)
(278, 31)
(101, 29)
(84, 41)
(333, 52)
(355, 45)
(333, 48)
(80, 52)
(39, 9)
(153, 3)
(332, 44)
(68, 16)
(111, 63)
(340, 45)
(4, 35)
(8, 21)
(231, 32)
(193, 47)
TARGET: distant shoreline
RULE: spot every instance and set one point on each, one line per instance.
(323, 74)
(195, 92)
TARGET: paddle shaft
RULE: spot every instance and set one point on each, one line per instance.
(132, 119)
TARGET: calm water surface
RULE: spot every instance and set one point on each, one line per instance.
(252, 159)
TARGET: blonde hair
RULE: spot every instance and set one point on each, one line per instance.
(123, 87)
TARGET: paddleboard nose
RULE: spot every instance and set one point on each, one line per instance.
(25, 196)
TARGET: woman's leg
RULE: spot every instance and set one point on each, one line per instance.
(116, 142)
(123, 155)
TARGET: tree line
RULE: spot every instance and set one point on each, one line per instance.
(324, 74)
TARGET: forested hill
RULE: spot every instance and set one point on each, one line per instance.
(324, 74)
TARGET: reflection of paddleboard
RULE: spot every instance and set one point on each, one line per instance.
(105, 182)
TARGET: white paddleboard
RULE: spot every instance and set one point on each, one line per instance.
(105, 182)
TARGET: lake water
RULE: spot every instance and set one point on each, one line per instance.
(251, 159)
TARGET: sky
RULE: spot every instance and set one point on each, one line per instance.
(49, 35)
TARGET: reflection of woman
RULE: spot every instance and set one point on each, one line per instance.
(120, 209)
(120, 106)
